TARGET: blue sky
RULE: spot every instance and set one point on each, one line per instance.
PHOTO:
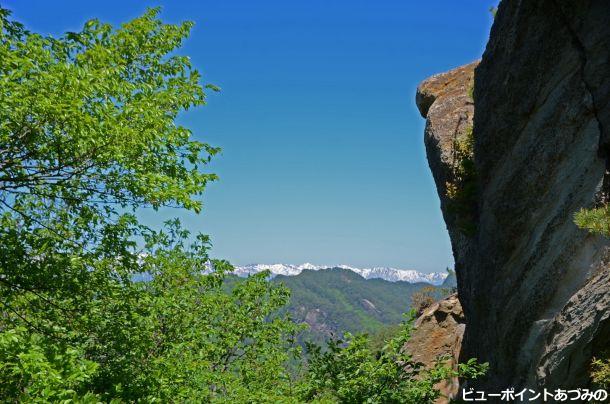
(323, 157)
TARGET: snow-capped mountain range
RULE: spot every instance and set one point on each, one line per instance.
(386, 273)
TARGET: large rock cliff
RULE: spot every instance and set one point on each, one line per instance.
(535, 288)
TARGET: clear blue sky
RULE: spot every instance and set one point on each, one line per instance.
(323, 157)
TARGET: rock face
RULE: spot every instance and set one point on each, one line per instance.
(535, 289)
(445, 100)
(438, 332)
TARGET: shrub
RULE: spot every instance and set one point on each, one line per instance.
(596, 221)
(423, 298)
(600, 370)
(348, 371)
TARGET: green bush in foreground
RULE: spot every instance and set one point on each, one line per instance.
(351, 371)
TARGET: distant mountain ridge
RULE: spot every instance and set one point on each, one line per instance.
(335, 300)
(385, 273)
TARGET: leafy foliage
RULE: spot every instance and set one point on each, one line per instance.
(600, 370)
(92, 115)
(34, 369)
(178, 336)
(88, 136)
(350, 372)
(595, 220)
(379, 338)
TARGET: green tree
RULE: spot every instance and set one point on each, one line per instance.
(34, 369)
(87, 137)
(349, 371)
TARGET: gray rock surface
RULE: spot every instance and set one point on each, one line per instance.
(535, 289)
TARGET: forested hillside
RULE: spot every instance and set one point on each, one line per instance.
(333, 301)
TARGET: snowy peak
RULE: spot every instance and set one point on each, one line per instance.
(386, 273)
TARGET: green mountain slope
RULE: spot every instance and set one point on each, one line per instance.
(334, 300)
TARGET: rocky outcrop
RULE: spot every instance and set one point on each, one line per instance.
(438, 333)
(445, 100)
(535, 289)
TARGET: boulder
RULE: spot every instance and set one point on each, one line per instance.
(438, 333)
